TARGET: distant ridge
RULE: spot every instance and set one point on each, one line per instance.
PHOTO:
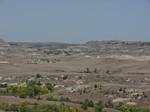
(120, 42)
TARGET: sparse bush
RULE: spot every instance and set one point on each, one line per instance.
(109, 104)
(87, 103)
(84, 106)
(62, 98)
(95, 86)
(95, 70)
(107, 72)
(50, 86)
(38, 76)
(99, 106)
(87, 70)
(51, 98)
(65, 77)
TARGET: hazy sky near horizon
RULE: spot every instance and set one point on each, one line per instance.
(74, 20)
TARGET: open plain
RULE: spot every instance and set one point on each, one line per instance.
(107, 71)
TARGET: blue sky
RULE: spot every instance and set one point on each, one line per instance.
(74, 20)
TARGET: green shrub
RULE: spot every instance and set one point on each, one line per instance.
(99, 106)
(87, 103)
(50, 86)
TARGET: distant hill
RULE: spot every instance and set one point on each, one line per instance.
(89, 48)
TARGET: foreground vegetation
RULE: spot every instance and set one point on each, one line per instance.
(96, 107)
(24, 107)
(100, 106)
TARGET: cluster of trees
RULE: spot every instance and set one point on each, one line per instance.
(32, 89)
(24, 107)
(99, 106)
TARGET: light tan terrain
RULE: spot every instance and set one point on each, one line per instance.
(79, 76)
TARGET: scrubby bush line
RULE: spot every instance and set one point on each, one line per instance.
(24, 107)
(99, 107)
